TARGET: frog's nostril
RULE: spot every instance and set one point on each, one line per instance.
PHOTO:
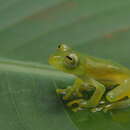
(54, 59)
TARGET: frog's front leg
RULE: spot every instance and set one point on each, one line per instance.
(94, 100)
(74, 90)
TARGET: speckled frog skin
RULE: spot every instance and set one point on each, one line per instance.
(92, 73)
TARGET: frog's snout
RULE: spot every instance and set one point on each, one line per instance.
(53, 60)
(50, 60)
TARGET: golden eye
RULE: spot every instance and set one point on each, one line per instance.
(71, 60)
(63, 47)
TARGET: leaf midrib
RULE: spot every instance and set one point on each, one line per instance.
(32, 68)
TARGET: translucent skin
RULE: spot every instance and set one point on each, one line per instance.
(95, 73)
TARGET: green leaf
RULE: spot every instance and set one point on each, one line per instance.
(29, 32)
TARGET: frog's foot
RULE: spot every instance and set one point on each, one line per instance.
(77, 109)
(96, 109)
(61, 91)
(77, 102)
(103, 108)
(102, 102)
(72, 93)
(107, 108)
(69, 92)
(64, 91)
(80, 103)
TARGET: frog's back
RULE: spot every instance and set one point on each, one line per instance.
(106, 69)
(106, 64)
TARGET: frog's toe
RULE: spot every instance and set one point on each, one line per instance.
(77, 109)
(96, 109)
(61, 91)
(107, 108)
(78, 102)
(102, 102)
(79, 94)
(66, 97)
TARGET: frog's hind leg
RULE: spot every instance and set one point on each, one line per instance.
(120, 92)
(116, 95)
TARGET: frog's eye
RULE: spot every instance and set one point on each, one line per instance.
(71, 60)
(63, 47)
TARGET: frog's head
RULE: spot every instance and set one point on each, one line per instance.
(67, 60)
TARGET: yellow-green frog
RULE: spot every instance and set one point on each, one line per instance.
(92, 73)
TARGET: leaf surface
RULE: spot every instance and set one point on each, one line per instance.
(29, 32)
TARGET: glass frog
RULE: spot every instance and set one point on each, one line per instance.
(92, 73)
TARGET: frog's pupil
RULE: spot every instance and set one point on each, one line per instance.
(59, 46)
(69, 57)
